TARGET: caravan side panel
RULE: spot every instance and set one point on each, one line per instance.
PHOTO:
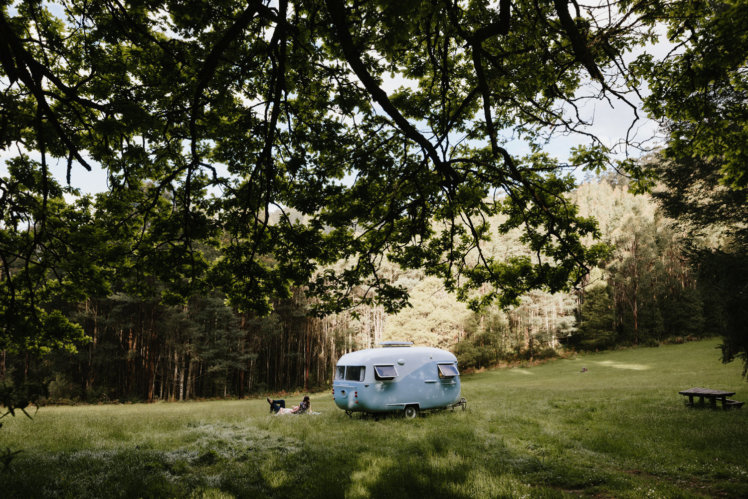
(359, 385)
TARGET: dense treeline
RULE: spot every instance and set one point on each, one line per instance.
(145, 346)
(147, 349)
(151, 350)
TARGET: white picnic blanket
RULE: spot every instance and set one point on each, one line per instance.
(283, 411)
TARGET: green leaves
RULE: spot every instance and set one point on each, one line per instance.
(41, 240)
(700, 92)
(643, 176)
(590, 158)
(257, 147)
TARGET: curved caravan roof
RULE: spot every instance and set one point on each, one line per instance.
(392, 355)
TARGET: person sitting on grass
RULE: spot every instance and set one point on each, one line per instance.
(279, 406)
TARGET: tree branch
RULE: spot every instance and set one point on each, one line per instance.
(578, 42)
(336, 10)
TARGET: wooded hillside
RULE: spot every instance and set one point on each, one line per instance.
(142, 346)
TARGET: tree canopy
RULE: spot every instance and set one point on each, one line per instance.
(216, 120)
(700, 95)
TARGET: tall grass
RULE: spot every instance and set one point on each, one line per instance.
(619, 429)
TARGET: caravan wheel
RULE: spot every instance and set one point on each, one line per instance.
(411, 412)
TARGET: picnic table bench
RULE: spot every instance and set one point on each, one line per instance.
(713, 396)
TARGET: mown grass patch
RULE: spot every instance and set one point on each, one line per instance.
(619, 429)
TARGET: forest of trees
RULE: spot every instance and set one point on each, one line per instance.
(288, 181)
(142, 346)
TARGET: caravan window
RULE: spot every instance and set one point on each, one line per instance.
(340, 372)
(385, 372)
(355, 373)
(448, 371)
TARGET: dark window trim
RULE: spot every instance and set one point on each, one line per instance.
(442, 375)
(384, 378)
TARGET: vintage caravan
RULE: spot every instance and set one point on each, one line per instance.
(397, 378)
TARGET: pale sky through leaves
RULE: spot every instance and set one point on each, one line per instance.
(610, 125)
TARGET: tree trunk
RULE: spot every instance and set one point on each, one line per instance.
(175, 376)
(181, 383)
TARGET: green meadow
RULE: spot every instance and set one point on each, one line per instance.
(620, 429)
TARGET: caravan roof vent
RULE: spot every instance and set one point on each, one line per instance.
(386, 344)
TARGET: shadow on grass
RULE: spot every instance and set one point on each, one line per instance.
(220, 458)
(431, 458)
(437, 456)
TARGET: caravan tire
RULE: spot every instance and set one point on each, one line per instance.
(411, 412)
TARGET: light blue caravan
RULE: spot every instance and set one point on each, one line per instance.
(395, 378)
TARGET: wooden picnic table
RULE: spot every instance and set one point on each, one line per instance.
(712, 395)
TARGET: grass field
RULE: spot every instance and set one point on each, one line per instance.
(618, 430)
